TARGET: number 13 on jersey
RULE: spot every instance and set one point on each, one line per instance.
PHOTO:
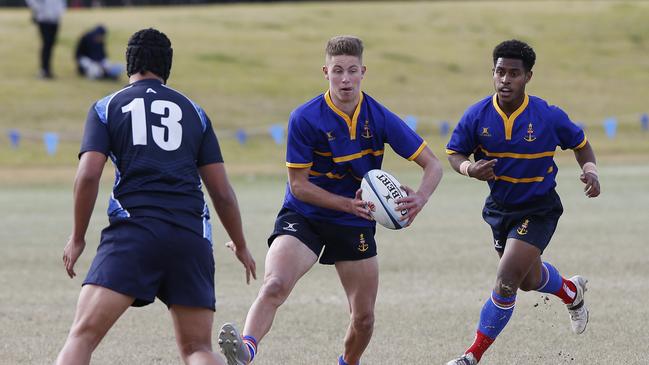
(171, 122)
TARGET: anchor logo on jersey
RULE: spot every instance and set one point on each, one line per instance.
(362, 246)
(367, 133)
(522, 230)
(530, 134)
(330, 136)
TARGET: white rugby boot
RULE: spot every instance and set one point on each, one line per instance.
(235, 351)
(466, 359)
(578, 311)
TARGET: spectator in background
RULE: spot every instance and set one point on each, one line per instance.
(91, 58)
(47, 14)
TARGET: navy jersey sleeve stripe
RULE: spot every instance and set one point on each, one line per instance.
(95, 134)
(102, 105)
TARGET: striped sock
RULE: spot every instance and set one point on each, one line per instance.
(495, 314)
(251, 342)
(553, 283)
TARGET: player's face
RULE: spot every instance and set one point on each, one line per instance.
(344, 74)
(510, 78)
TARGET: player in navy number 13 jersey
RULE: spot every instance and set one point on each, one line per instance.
(158, 242)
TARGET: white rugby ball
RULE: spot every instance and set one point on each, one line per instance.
(380, 190)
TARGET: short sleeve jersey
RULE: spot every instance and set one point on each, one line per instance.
(339, 150)
(156, 138)
(524, 144)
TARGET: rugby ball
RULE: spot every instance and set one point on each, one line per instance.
(380, 190)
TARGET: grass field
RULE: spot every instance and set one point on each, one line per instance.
(248, 66)
(434, 279)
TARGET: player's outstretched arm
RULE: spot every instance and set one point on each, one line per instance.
(585, 156)
(226, 206)
(416, 200)
(308, 192)
(481, 170)
(86, 187)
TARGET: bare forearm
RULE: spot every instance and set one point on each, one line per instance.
(585, 154)
(228, 211)
(85, 195)
(432, 176)
(313, 194)
(455, 160)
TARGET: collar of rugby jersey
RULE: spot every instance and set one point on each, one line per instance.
(509, 121)
(351, 123)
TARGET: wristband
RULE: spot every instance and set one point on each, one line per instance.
(464, 168)
(590, 167)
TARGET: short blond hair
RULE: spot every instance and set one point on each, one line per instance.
(347, 45)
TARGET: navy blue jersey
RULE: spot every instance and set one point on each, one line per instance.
(524, 144)
(157, 138)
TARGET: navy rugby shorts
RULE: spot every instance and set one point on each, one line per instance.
(146, 258)
(331, 242)
(533, 222)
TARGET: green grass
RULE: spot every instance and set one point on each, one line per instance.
(435, 277)
(250, 65)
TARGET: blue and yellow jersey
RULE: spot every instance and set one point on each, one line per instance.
(524, 144)
(339, 150)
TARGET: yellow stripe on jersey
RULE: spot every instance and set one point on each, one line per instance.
(418, 152)
(520, 180)
(509, 121)
(351, 123)
(299, 165)
(450, 152)
(527, 156)
(358, 155)
(326, 154)
(331, 175)
(582, 144)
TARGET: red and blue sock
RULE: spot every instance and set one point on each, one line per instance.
(494, 316)
(251, 343)
(553, 283)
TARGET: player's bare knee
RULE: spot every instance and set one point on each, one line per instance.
(83, 332)
(363, 323)
(188, 348)
(506, 287)
(275, 290)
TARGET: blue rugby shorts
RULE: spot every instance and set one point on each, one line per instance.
(331, 242)
(145, 258)
(533, 222)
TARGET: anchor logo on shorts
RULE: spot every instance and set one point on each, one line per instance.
(522, 230)
(290, 226)
(362, 247)
(330, 136)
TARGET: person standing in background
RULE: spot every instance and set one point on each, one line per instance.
(47, 15)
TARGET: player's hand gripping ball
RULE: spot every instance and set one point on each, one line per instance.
(380, 190)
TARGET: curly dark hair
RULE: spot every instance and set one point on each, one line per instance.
(517, 50)
(149, 50)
